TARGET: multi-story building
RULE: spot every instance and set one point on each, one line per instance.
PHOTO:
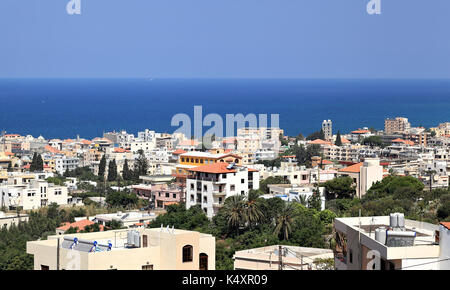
(160, 195)
(364, 174)
(193, 159)
(7, 219)
(209, 185)
(397, 125)
(327, 128)
(390, 243)
(139, 249)
(147, 135)
(33, 195)
(64, 163)
(442, 130)
(119, 137)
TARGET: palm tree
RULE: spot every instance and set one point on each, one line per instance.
(285, 220)
(252, 212)
(234, 211)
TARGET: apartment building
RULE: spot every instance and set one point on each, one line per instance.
(364, 174)
(193, 159)
(399, 124)
(136, 145)
(147, 135)
(390, 243)
(64, 163)
(442, 130)
(299, 175)
(360, 134)
(327, 128)
(8, 219)
(138, 249)
(160, 195)
(33, 195)
(209, 185)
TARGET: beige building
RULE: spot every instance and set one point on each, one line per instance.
(364, 174)
(292, 258)
(399, 124)
(139, 249)
(6, 219)
(442, 130)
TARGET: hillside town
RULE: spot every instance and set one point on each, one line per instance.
(258, 200)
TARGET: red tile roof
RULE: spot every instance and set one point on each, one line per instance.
(51, 149)
(320, 142)
(360, 131)
(446, 224)
(80, 225)
(219, 167)
(178, 152)
(352, 168)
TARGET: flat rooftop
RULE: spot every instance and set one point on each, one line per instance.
(425, 232)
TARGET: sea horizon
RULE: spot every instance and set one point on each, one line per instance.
(67, 107)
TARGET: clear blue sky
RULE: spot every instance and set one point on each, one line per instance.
(225, 39)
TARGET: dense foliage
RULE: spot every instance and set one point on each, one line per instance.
(251, 222)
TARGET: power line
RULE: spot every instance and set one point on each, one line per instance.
(438, 261)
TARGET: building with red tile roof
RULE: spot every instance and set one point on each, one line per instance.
(81, 225)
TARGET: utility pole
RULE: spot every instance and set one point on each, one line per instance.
(57, 255)
(280, 258)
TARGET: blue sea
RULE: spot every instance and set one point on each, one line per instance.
(63, 108)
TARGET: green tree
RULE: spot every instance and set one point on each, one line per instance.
(33, 164)
(140, 165)
(263, 184)
(339, 187)
(284, 221)
(126, 173)
(102, 167)
(338, 139)
(39, 163)
(112, 170)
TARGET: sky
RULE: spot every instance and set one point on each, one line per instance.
(224, 39)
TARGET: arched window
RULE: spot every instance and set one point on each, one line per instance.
(187, 253)
(203, 261)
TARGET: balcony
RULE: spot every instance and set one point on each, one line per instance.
(216, 192)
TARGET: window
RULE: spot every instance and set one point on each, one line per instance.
(45, 267)
(174, 195)
(351, 256)
(187, 253)
(242, 180)
(167, 194)
(224, 175)
(203, 261)
(147, 267)
(232, 187)
(145, 244)
(192, 186)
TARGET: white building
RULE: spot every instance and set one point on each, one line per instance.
(390, 243)
(147, 135)
(327, 128)
(64, 163)
(33, 195)
(209, 185)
